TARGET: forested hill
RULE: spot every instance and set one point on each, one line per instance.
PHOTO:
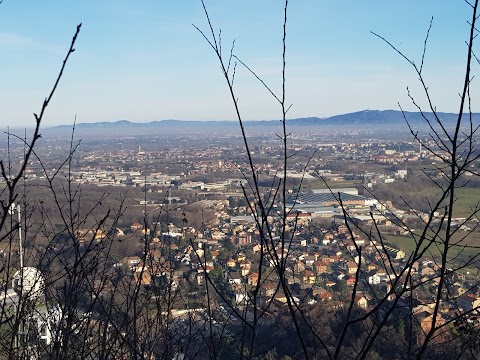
(381, 117)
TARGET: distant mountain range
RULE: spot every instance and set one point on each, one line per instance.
(381, 122)
(365, 118)
(380, 117)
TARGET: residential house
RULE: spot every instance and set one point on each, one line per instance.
(252, 278)
(322, 294)
(245, 270)
(144, 277)
(351, 281)
(231, 263)
(361, 301)
(136, 226)
(326, 241)
(214, 254)
(374, 279)
(427, 271)
(233, 277)
(351, 247)
(371, 267)
(426, 320)
(240, 294)
(200, 278)
(245, 263)
(218, 235)
(309, 260)
(267, 289)
(320, 267)
(352, 267)
(298, 266)
(469, 302)
(308, 277)
(130, 261)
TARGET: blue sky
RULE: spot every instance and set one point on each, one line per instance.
(144, 61)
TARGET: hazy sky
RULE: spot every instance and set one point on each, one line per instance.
(143, 60)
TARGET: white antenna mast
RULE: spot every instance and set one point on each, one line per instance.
(11, 211)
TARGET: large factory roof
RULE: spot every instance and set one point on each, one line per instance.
(322, 198)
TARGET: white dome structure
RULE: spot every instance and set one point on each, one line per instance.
(28, 281)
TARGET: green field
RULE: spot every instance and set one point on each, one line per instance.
(467, 198)
(408, 245)
(467, 201)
